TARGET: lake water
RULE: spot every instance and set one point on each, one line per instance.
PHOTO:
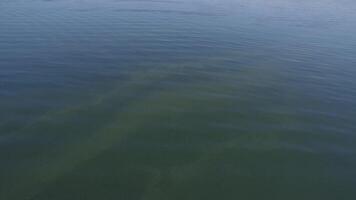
(177, 99)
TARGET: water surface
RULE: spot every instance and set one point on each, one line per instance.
(177, 99)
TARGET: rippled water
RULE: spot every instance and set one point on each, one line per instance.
(177, 99)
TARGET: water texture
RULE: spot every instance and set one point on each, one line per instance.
(177, 99)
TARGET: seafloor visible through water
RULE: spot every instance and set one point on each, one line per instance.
(177, 99)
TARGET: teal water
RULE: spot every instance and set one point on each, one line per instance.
(177, 99)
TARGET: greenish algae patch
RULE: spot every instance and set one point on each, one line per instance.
(181, 119)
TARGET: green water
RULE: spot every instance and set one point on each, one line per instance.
(177, 100)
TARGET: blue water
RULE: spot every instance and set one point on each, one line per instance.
(177, 99)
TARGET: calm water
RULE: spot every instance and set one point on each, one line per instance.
(177, 99)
